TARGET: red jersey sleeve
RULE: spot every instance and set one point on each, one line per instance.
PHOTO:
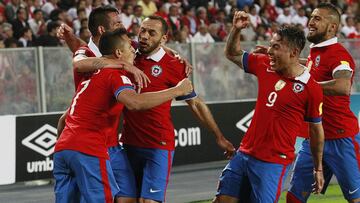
(314, 104)
(253, 63)
(119, 82)
(342, 61)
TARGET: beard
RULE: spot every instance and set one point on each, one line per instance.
(317, 37)
(149, 49)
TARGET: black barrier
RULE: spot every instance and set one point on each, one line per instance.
(36, 136)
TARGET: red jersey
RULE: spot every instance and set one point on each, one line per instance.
(88, 119)
(153, 128)
(282, 105)
(324, 60)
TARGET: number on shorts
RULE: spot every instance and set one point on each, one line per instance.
(72, 107)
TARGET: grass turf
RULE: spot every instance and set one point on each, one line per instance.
(333, 195)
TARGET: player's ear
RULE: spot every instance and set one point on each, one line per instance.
(101, 29)
(118, 53)
(164, 39)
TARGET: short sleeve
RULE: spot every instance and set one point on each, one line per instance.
(314, 104)
(342, 61)
(254, 63)
(119, 82)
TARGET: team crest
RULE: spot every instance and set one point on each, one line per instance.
(279, 85)
(156, 70)
(317, 61)
(298, 87)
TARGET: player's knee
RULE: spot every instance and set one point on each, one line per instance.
(291, 198)
(354, 200)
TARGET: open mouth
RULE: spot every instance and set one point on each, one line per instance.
(312, 30)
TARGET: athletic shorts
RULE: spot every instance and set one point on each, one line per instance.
(80, 176)
(123, 172)
(341, 158)
(152, 170)
(252, 180)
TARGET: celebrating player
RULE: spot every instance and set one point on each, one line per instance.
(81, 164)
(333, 67)
(287, 94)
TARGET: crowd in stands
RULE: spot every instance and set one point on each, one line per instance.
(26, 23)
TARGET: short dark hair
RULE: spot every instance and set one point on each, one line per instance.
(37, 10)
(99, 17)
(293, 35)
(333, 10)
(111, 40)
(164, 25)
(52, 25)
(23, 31)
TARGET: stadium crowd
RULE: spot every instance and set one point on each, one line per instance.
(25, 23)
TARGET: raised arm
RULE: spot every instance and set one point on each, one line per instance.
(233, 49)
(340, 85)
(136, 102)
(204, 115)
(66, 33)
(316, 146)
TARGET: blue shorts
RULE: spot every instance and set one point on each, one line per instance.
(341, 158)
(251, 180)
(152, 170)
(80, 176)
(123, 172)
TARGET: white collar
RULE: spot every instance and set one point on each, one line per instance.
(328, 42)
(92, 46)
(304, 77)
(158, 55)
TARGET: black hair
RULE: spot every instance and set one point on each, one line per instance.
(37, 10)
(99, 17)
(52, 25)
(333, 10)
(111, 40)
(293, 35)
(164, 25)
(23, 31)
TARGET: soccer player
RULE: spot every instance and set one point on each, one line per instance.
(333, 67)
(148, 136)
(287, 94)
(81, 164)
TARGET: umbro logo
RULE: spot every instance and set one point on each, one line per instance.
(42, 140)
(245, 122)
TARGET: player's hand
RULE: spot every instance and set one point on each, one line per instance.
(188, 66)
(260, 49)
(241, 20)
(185, 87)
(319, 182)
(64, 31)
(226, 146)
(140, 77)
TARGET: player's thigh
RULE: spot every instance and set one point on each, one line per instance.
(345, 163)
(66, 189)
(266, 180)
(123, 173)
(95, 178)
(156, 174)
(233, 181)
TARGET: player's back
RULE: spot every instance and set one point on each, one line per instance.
(90, 114)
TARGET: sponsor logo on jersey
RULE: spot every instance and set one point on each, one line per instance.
(298, 87)
(317, 61)
(279, 85)
(156, 70)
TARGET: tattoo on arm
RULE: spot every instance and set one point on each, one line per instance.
(233, 48)
(343, 74)
(97, 64)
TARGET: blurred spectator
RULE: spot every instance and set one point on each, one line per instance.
(270, 8)
(300, 18)
(2, 45)
(198, 3)
(265, 18)
(50, 39)
(84, 22)
(189, 20)
(118, 4)
(72, 12)
(7, 30)
(97, 3)
(37, 23)
(49, 6)
(255, 20)
(20, 22)
(88, 7)
(85, 34)
(134, 29)
(170, 3)
(183, 36)
(203, 36)
(285, 17)
(242, 3)
(138, 15)
(201, 16)
(11, 9)
(126, 15)
(26, 37)
(174, 20)
(149, 7)
(11, 43)
(348, 27)
(81, 14)
(214, 30)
